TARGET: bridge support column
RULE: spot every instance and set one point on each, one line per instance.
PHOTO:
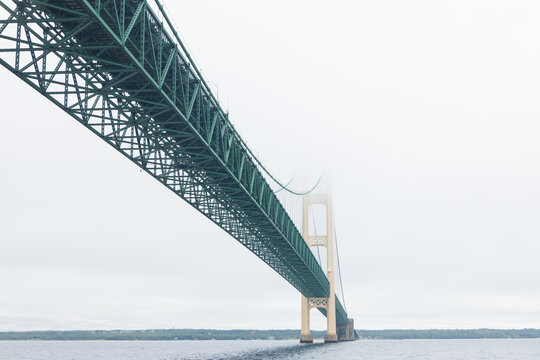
(328, 241)
(305, 332)
(331, 333)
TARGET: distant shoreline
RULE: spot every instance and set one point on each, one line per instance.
(212, 334)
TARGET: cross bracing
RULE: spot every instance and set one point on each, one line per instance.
(114, 66)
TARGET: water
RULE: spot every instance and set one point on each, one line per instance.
(508, 349)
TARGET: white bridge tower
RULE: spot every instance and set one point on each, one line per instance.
(327, 241)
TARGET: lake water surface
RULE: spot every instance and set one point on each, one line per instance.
(511, 349)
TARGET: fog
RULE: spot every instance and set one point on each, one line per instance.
(424, 113)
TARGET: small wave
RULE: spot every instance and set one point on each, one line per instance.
(281, 352)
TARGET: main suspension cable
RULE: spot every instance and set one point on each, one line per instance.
(315, 232)
(287, 184)
(339, 269)
(177, 37)
(284, 187)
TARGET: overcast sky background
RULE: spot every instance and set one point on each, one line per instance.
(424, 112)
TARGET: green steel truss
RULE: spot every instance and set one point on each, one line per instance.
(119, 70)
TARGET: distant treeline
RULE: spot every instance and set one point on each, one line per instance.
(207, 334)
(449, 334)
(158, 334)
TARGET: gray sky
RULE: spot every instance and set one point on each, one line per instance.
(424, 112)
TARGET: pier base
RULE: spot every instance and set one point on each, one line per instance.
(346, 332)
(331, 339)
(306, 339)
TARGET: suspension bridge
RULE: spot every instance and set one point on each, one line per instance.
(120, 68)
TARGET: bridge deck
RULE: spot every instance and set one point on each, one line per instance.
(115, 67)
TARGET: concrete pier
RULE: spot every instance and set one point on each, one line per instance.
(346, 332)
(306, 339)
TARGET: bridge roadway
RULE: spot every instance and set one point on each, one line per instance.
(119, 68)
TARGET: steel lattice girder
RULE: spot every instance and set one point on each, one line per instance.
(113, 66)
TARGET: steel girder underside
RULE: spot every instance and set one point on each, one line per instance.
(114, 67)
